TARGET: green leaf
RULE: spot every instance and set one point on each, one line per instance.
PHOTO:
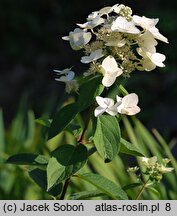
(105, 185)
(28, 159)
(107, 137)
(40, 178)
(86, 194)
(88, 92)
(65, 161)
(128, 148)
(154, 191)
(130, 186)
(74, 129)
(62, 119)
(43, 121)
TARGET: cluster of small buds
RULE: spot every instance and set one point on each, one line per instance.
(154, 169)
(116, 43)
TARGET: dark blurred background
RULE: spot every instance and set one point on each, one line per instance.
(31, 47)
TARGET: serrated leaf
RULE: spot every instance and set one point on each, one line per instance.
(107, 137)
(88, 92)
(62, 119)
(86, 194)
(40, 178)
(65, 161)
(28, 159)
(105, 185)
(128, 148)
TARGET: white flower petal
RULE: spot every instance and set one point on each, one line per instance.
(130, 100)
(95, 55)
(158, 59)
(119, 99)
(61, 79)
(78, 38)
(158, 35)
(92, 23)
(147, 42)
(122, 25)
(70, 76)
(145, 22)
(108, 80)
(101, 101)
(128, 104)
(149, 25)
(99, 111)
(110, 66)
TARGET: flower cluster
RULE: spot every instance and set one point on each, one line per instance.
(116, 43)
(154, 169)
(126, 105)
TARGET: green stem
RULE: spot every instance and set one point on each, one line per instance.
(142, 189)
(81, 139)
(65, 189)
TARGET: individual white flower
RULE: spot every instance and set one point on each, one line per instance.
(97, 54)
(151, 60)
(149, 25)
(147, 42)
(116, 43)
(78, 38)
(128, 104)
(110, 71)
(92, 23)
(68, 79)
(105, 105)
(164, 169)
(92, 16)
(148, 161)
(122, 25)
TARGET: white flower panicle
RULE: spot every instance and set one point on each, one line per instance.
(117, 42)
(126, 105)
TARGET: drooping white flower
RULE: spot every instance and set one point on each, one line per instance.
(105, 105)
(68, 79)
(151, 60)
(128, 104)
(96, 21)
(78, 38)
(147, 42)
(149, 25)
(110, 71)
(97, 54)
(122, 25)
